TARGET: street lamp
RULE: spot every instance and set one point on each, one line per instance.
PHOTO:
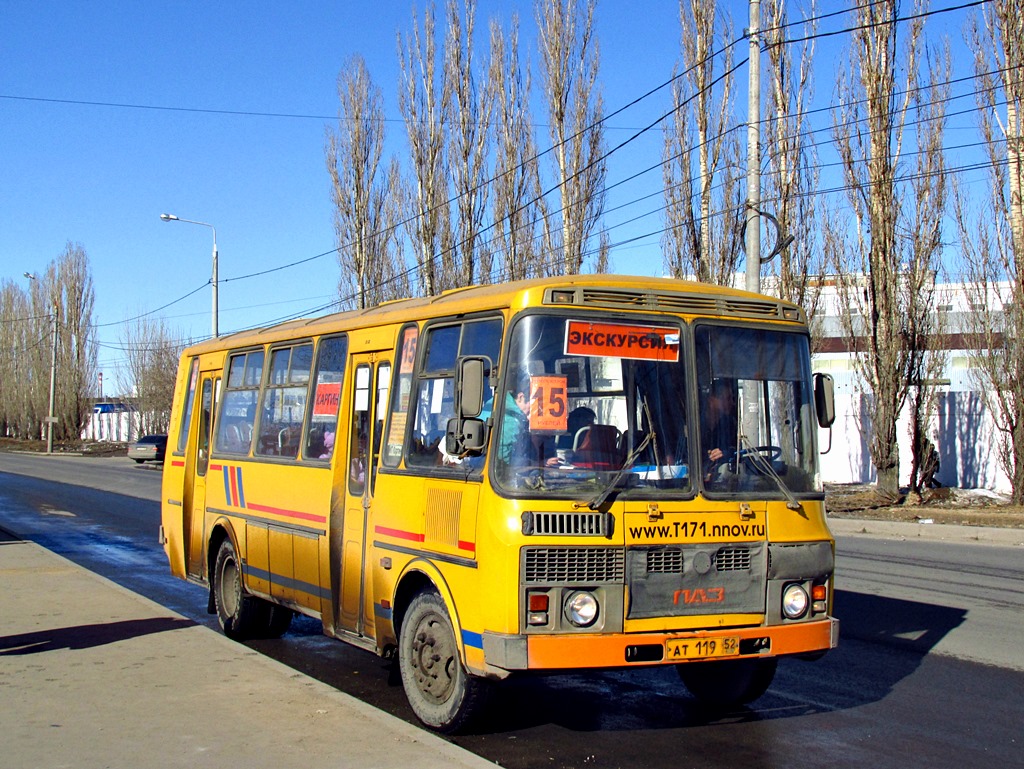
(213, 281)
(53, 374)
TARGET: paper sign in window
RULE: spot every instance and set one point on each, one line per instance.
(615, 340)
(549, 404)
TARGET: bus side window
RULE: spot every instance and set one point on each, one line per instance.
(359, 459)
(322, 418)
(283, 406)
(434, 397)
(186, 417)
(398, 418)
(238, 406)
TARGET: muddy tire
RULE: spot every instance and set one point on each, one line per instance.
(442, 694)
(239, 614)
(728, 684)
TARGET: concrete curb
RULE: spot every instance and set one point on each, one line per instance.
(945, 532)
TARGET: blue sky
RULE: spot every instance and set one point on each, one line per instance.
(72, 169)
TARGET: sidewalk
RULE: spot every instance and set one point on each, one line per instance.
(93, 675)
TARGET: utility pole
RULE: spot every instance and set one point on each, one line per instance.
(53, 381)
(753, 216)
(750, 395)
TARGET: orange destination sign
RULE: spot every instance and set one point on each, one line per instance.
(616, 340)
(328, 396)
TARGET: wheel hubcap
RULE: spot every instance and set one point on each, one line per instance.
(433, 659)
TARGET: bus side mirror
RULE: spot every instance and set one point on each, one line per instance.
(470, 382)
(465, 436)
(824, 399)
(466, 433)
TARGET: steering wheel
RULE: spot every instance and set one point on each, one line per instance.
(768, 452)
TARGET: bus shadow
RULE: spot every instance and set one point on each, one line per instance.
(87, 636)
(892, 621)
(883, 641)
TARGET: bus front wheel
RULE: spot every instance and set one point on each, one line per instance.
(237, 612)
(442, 694)
(728, 684)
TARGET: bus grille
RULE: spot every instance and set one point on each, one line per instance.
(691, 303)
(569, 524)
(733, 559)
(561, 565)
(667, 560)
(441, 518)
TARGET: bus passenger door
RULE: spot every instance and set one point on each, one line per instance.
(195, 507)
(371, 380)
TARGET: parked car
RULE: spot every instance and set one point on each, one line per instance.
(148, 447)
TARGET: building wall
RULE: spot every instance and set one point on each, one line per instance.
(961, 429)
(112, 423)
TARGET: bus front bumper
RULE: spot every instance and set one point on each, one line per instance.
(566, 652)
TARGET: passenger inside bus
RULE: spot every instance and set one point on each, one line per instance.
(517, 445)
(719, 418)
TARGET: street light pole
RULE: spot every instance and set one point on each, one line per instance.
(213, 279)
(53, 374)
(753, 216)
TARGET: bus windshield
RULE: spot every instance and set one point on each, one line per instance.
(585, 399)
(757, 426)
(591, 405)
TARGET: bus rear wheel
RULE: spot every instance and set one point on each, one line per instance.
(239, 614)
(279, 619)
(442, 694)
(728, 684)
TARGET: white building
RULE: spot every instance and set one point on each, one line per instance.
(961, 429)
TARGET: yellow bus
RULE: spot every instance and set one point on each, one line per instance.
(548, 475)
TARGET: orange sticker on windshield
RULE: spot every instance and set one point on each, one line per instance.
(614, 340)
(549, 404)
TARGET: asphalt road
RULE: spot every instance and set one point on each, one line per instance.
(928, 672)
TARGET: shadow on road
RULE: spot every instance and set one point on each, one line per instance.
(910, 624)
(87, 636)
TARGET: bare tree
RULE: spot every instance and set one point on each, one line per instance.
(366, 245)
(151, 352)
(924, 326)
(992, 235)
(569, 63)
(60, 338)
(74, 297)
(17, 344)
(518, 207)
(470, 109)
(880, 278)
(792, 178)
(423, 101)
(703, 194)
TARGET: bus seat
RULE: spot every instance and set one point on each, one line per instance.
(597, 446)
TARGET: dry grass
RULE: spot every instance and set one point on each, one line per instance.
(968, 507)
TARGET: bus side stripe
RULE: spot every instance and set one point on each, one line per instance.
(232, 472)
(227, 485)
(399, 534)
(241, 491)
(288, 513)
(469, 638)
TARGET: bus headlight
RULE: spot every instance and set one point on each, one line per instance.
(794, 601)
(581, 609)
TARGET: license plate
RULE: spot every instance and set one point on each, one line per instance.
(701, 648)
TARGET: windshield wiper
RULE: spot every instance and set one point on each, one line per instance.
(627, 464)
(764, 466)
